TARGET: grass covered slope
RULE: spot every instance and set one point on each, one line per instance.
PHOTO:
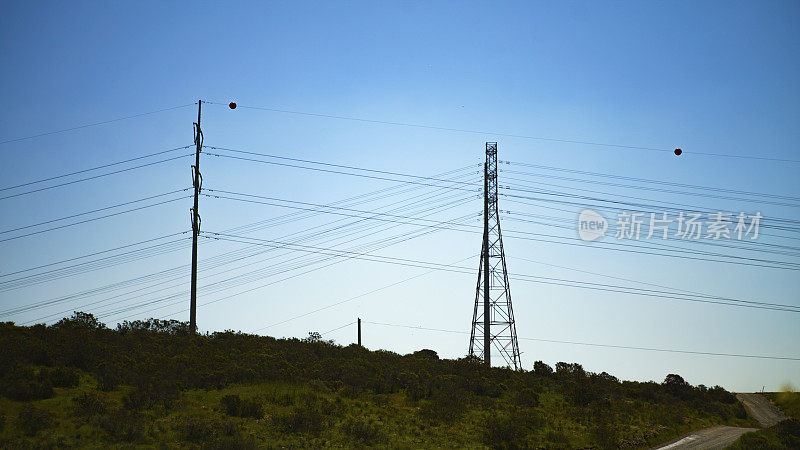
(783, 435)
(150, 383)
(787, 401)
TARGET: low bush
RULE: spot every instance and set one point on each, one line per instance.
(504, 431)
(301, 419)
(195, 428)
(447, 403)
(108, 377)
(22, 384)
(162, 394)
(31, 420)
(90, 404)
(124, 425)
(238, 407)
(785, 434)
(362, 432)
(236, 442)
(527, 397)
(62, 377)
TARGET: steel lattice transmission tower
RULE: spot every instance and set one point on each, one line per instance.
(493, 320)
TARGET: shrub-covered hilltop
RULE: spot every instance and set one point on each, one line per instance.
(77, 383)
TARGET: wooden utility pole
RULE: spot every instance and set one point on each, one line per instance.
(359, 331)
(197, 180)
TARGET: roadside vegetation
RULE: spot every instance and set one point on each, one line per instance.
(149, 383)
(783, 435)
(788, 401)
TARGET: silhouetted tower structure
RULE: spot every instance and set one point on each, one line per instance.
(493, 319)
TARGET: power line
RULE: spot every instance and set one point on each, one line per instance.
(591, 344)
(790, 251)
(340, 166)
(92, 211)
(647, 180)
(314, 235)
(94, 177)
(341, 302)
(526, 200)
(492, 133)
(662, 207)
(383, 243)
(415, 176)
(701, 294)
(732, 259)
(314, 206)
(459, 269)
(337, 328)
(91, 254)
(525, 279)
(95, 168)
(643, 188)
(374, 177)
(376, 195)
(362, 198)
(139, 208)
(47, 133)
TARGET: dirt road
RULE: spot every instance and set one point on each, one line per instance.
(761, 409)
(709, 438)
(758, 406)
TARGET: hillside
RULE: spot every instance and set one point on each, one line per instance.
(785, 434)
(77, 383)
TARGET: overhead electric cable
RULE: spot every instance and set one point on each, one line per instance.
(591, 344)
(94, 124)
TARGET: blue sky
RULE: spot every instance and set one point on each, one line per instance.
(712, 77)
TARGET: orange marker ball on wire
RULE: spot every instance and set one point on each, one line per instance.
(678, 152)
(232, 105)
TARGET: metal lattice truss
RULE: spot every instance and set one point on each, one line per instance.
(493, 328)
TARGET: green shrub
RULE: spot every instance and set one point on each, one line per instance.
(22, 384)
(27, 390)
(527, 397)
(162, 393)
(108, 377)
(195, 428)
(31, 420)
(238, 407)
(445, 406)
(542, 369)
(504, 431)
(280, 397)
(302, 419)
(785, 434)
(62, 377)
(362, 432)
(557, 439)
(123, 425)
(236, 442)
(90, 404)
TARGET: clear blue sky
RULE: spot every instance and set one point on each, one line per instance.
(709, 77)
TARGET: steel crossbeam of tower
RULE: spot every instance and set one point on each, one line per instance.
(493, 327)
